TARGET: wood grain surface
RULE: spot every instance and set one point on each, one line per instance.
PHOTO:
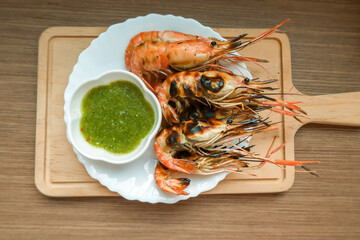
(325, 43)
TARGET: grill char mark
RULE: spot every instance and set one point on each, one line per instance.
(172, 139)
(206, 82)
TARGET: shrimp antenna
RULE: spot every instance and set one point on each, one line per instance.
(265, 34)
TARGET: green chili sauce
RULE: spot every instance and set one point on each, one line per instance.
(116, 117)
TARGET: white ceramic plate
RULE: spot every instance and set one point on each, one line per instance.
(135, 180)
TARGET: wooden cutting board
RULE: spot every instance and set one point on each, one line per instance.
(58, 173)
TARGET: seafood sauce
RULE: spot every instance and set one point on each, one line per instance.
(116, 117)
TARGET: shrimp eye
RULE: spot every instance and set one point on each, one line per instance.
(213, 43)
(194, 115)
(246, 80)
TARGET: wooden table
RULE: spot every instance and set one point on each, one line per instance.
(325, 42)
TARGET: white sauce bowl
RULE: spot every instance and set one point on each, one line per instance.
(74, 115)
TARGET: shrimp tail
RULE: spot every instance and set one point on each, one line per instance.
(176, 185)
(169, 114)
(166, 183)
(168, 111)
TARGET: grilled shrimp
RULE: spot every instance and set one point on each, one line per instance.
(156, 36)
(200, 147)
(183, 147)
(154, 55)
(220, 90)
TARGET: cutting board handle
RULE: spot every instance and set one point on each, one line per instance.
(335, 109)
